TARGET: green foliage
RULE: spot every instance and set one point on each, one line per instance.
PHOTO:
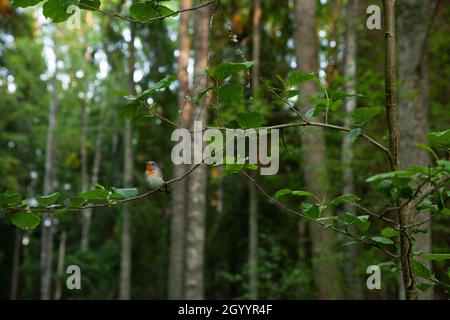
(225, 70)
(144, 11)
(48, 200)
(249, 120)
(26, 220)
(363, 115)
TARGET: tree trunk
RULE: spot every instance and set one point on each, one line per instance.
(49, 182)
(354, 288)
(253, 195)
(84, 172)
(178, 220)
(325, 269)
(16, 265)
(125, 254)
(404, 218)
(60, 266)
(87, 213)
(196, 206)
(414, 101)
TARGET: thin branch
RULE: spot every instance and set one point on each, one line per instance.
(378, 216)
(299, 214)
(101, 205)
(118, 15)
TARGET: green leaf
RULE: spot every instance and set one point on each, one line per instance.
(58, 213)
(124, 193)
(95, 194)
(382, 240)
(25, 3)
(56, 10)
(10, 197)
(250, 120)
(231, 92)
(445, 212)
(227, 69)
(421, 271)
(76, 202)
(161, 84)
(344, 198)
(335, 105)
(389, 232)
(143, 11)
(302, 193)
(89, 4)
(354, 134)
(297, 77)
(362, 222)
(363, 115)
(199, 96)
(312, 211)
(349, 218)
(439, 257)
(424, 286)
(439, 140)
(48, 200)
(282, 192)
(25, 220)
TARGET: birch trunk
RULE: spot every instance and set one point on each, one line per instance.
(196, 204)
(125, 251)
(49, 182)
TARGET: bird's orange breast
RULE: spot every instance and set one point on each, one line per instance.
(149, 170)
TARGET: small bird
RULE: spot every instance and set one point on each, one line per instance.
(154, 177)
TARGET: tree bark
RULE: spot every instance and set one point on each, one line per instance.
(354, 288)
(178, 220)
(325, 269)
(196, 206)
(414, 102)
(16, 265)
(404, 218)
(84, 173)
(60, 266)
(125, 254)
(253, 195)
(87, 213)
(49, 182)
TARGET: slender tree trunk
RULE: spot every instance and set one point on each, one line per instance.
(178, 222)
(196, 206)
(414, 101)
(125, 254)
(404, 218)
(16, 265)
(325, 269)
(87, 213)
(84, 172)
(60, 266)
(49, 182)
(354, 288)
(253, 195)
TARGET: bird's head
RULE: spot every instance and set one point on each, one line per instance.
(151, 165)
